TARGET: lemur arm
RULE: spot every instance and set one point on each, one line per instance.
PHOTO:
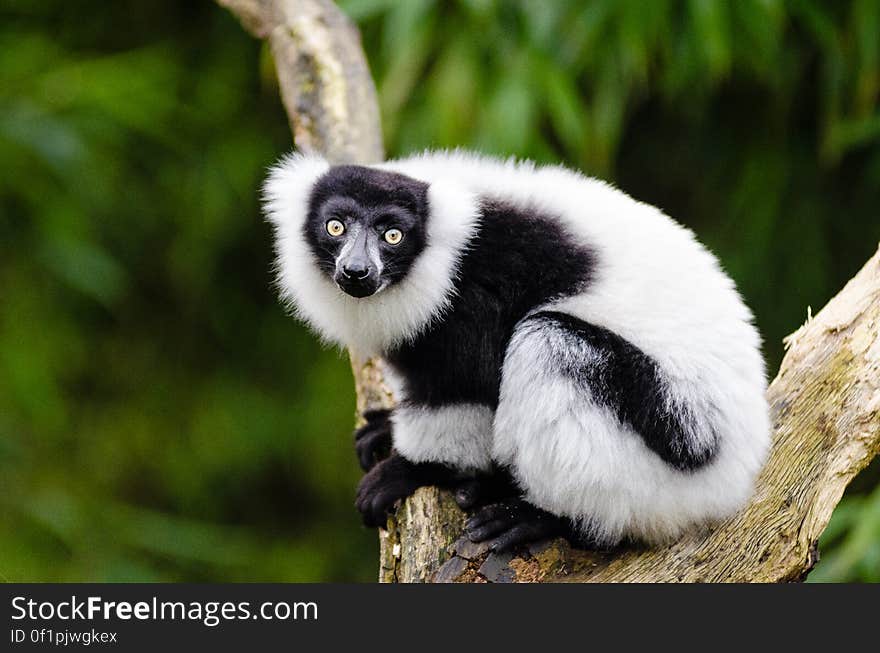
(372, 441)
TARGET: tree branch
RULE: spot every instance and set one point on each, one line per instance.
(323, 75)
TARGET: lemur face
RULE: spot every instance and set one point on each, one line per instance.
(366, 227)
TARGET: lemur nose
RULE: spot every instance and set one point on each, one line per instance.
(356, 271)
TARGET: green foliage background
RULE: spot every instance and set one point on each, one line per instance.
(162, 419)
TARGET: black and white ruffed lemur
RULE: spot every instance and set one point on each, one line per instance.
(568, 360)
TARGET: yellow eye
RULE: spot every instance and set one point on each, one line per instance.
(335, 228)
(393, 236)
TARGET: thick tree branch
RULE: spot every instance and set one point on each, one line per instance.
(825, 400)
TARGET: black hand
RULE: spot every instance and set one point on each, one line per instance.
(393, 479)
(372, 442)
(513, 523)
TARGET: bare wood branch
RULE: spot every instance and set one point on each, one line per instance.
(825, 400)
(323, 75)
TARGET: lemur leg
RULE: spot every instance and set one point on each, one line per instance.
(372, 441)
(596, 435)
(393, 479)
(459, 434)
(486, 488)
(433, 445)
(500, 515)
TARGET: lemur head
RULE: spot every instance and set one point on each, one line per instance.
(366, 227)
(366, 255)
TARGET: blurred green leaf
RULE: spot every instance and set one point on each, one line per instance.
(710, 22)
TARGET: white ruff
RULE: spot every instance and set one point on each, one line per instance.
(394, 315)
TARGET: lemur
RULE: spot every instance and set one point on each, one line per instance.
(569, 361)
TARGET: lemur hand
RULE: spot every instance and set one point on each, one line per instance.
(392, 479)
(372, 441)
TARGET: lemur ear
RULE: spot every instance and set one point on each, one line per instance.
(288, 186)
(453, 210)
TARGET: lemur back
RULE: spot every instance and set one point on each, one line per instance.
(458, 358)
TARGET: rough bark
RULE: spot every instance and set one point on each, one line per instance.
(825, 399)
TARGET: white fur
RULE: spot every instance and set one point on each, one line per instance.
(458, 435)
(655, 286)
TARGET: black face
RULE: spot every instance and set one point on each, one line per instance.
(366, 227)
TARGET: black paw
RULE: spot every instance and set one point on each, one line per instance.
(393, 479)
(513, 523)
(372, 441)
(485, 489)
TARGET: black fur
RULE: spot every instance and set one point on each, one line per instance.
(515, 522)
(486, 488)
(627, 380)
(372, 441)
(377, 199)
(502, 517)
(519, 259)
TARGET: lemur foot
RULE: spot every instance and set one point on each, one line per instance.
(392, 479)
(372, 441)
(513, 523)
(484, 489)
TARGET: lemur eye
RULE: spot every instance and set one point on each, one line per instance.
(393, 236)
(335, 228)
